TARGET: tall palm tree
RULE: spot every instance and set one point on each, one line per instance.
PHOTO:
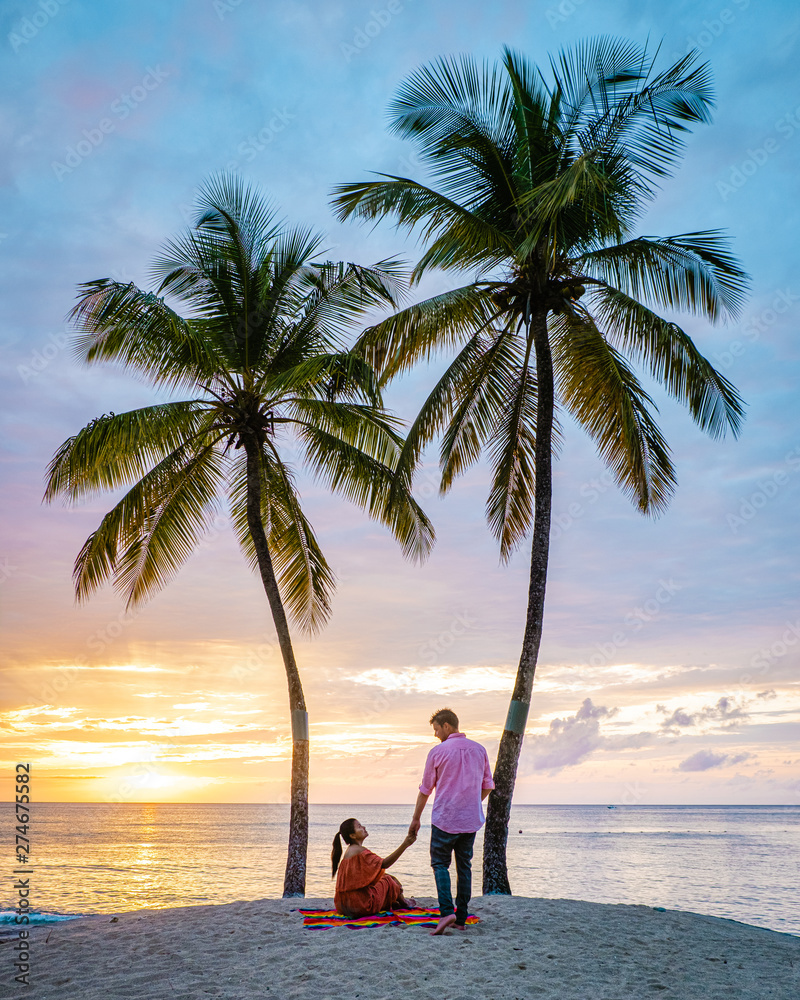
(538, 186)
(261, 354)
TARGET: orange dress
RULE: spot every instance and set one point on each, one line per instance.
(363, 887)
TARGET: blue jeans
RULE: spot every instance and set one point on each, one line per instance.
(443, 846)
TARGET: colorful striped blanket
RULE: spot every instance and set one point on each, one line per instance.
(422, 916)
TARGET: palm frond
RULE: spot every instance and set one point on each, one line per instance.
(594, 74)
(228, 206)
(600, 390)
(117, 448)
(482, 380)
(305, 579)
(154, 528)
(694, 272)
(337, 294)
(361, 426)
(538, 136)
(512, 452)
(369, 484)
(341, 376)
(435, 412)
(647, 125)
(121, 323)
(453, 95)
(463, 238)
(422, 330)
(673, 360)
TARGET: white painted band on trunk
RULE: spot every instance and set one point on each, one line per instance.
(299, 724)
(517, 717)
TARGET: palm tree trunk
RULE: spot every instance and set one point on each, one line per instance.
(294, 883)
(495, 868)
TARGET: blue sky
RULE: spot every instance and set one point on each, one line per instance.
(111, 117)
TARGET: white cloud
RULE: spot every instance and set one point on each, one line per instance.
(726, 712)
(570, 741)
(439, 680)
(704, 760)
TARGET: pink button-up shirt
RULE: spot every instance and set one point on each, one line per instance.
(458, 769)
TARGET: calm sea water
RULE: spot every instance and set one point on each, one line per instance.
(728, 861)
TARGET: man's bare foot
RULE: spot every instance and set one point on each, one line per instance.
(444, 923)
(408, 904)
(460, 927)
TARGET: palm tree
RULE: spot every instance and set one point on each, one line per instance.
(261, 354)
(539, 186)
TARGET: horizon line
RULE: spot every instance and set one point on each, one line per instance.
(536, 805)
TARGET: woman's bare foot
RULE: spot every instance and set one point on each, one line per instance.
(444, 923)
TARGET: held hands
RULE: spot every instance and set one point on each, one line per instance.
(409, 840)
(413, 828)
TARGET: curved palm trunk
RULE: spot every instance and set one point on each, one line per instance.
(495, 869)
(294, 883)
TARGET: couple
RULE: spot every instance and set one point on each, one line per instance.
(459, 771)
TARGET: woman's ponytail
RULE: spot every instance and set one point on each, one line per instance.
(336, 855)
(345, 832)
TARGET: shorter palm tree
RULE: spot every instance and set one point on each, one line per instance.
(262, 353)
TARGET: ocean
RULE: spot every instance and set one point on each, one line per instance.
(741, 862)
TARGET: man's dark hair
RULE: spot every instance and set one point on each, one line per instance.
(445, 715)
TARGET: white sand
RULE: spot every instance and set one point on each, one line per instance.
(523, 948)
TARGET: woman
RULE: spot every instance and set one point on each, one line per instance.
(363, 886)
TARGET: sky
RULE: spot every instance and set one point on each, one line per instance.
(668, 671)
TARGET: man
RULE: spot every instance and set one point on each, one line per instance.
(459, 771)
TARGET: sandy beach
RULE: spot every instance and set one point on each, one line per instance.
(522, 948)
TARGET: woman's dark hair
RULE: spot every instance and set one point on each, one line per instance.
(346, 831)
